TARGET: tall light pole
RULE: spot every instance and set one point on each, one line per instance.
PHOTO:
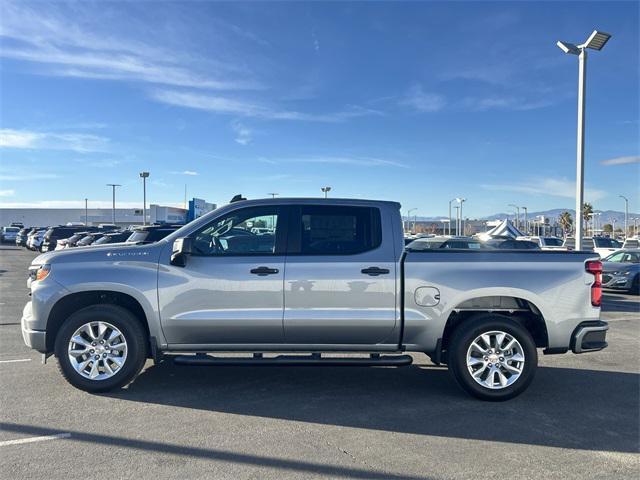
(459, 224)
(450, 202)
(526, 221)
(626, 214)
(409, 218)
(325, 190)
(517, 213)
(595, 41)
(273, 194)
(457, 207)
(86, 212)
(113, 187)
(144, 176)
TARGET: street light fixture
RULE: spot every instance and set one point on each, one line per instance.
(409, 218)
(596, 41)
(273, 195)
(144, 176)
(459, 222)
(626, 214)
(517, 214)
(325, 190)
(113, 187)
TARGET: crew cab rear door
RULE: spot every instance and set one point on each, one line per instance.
(340, 277)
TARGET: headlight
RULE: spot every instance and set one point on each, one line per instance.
(39, 272)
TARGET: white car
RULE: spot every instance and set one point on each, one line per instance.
(603, 246)
(35, 240)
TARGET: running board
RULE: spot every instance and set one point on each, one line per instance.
(294, 360)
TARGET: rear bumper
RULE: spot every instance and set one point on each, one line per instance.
(589, 337)
(35, 339)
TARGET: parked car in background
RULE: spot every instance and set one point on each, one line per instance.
(432, 243)
(621, 270)
(603, 246)
(36, 239)
(511, 244)
(151, 233)
(545, 243)
(58, 233)
(89, 239)
(21, 237)
(116, 237)
(9, 234)
(632, 242)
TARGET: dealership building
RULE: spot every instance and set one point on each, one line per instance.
(41, 217)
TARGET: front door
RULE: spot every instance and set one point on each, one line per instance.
(340, 279)
(231, 289)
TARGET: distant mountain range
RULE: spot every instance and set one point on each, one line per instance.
(606, 216)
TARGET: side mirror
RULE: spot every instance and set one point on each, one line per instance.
(181, 248)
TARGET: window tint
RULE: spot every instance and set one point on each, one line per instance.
(552, 242)
(249, 231)
(335, 230)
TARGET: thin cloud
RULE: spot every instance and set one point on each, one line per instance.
(621, 160)
(547, 186)
(7, 193)
(76, 142)
(503, 103)
(421, 101)
(190, 173)
(47, 36)
(243, 133)
(231, 106)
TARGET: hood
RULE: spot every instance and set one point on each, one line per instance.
(101, 253)
(620, 267)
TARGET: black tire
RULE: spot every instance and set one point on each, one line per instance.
(635, 286)
(467, 332)
(131, 329)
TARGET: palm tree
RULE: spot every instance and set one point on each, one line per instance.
(587, 213)
(566, 222)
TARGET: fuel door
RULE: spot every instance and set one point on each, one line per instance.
(427, 296)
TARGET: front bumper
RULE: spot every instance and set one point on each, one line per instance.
(616, 282)
(589, 337)
(35, 339)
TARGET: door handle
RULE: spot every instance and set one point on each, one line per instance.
(262, 271)
(374, 271)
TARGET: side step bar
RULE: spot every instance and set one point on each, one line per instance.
(294, 360)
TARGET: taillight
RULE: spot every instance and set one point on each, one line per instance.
(594, 267)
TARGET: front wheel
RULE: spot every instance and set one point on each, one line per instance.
(101, 348)
(492, 357)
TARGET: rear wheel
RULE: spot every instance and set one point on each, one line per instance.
(492, 357)
(635, 286)
(101, 348)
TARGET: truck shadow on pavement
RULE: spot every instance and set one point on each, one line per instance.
(564, 407)
(617, 303)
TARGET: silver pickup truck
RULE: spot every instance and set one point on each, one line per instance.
(310, 282)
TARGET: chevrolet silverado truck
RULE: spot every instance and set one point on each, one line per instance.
(310, 282)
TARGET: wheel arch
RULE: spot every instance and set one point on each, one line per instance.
(73, 302)
(513, 308)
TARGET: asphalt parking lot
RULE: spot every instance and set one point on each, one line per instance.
(579, 418)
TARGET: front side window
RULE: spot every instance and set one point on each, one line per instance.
(249, 231)
(339, 230)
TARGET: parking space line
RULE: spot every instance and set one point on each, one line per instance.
(20, 441)
(15, 361)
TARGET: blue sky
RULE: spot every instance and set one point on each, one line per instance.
(416, 102)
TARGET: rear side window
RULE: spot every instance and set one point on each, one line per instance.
(336, 230)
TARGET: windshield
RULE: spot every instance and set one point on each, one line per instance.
(552, 242)
(603, 242)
